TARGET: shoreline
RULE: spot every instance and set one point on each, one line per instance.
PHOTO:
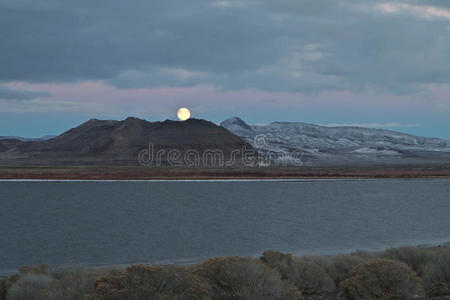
(198, 260)
(133, 172)
(88, 178)
(237, 179)
(125, 172)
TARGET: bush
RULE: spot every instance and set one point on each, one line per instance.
(68, 283)
(381, 279)
(150, 282)
(29, 287)
(27, 282)
(275, 276)
(343, 266)
(325, 263)
(235, 278)
(291, 293)
(278, 261)
(42, 269)
(310, 276)
(71, 283)
(309, 273)
(3, 288)
(415, 258)
(436, 277)
(6, 283)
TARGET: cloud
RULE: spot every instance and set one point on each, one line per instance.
(37, 106)
(304, 46)
(7, 93)
(230, 4)
(424, 11)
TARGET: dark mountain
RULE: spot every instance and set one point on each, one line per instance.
(120, 142)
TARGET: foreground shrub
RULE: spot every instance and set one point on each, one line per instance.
(6, 283)
(71, 283)
(436, 277)
(3, 288)
(291, 292)
(279, 261)
(344, 265)
(415, 258)
(309, 273)
(42, 269)
(381, 279)
(30, 287)
(309, 276)
(150, 282)
(235, 278)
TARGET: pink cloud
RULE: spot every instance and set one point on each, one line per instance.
(99, 99)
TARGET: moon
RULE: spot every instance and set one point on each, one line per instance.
(183, 114)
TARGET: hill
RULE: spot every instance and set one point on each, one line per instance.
(109, 142)
(341, 146)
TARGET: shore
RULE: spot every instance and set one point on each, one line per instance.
(141, 173)
(412, 272)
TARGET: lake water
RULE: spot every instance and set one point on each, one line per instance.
(100, 223)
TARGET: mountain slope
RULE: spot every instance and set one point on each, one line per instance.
(322, 145)
(111, 141)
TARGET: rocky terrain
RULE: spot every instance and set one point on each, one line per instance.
(109, 149)
(341, 146)
(109, 142)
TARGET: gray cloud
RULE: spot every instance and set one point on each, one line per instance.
(10, 94)
(279, 45)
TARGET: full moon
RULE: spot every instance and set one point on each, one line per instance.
(183, 114)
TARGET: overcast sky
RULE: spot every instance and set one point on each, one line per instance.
(382, 64)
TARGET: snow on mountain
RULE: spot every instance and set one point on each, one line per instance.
(340, 145)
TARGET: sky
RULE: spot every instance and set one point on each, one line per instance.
(382, 64)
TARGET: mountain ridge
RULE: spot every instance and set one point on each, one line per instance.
(342, 145)
(122, 141)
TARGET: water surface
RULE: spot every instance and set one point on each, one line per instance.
(101, 223)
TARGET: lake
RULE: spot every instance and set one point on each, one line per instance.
(99, 223)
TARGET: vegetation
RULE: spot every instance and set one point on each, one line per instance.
(436, 277)
(397, 273)
(344, 265)
(30, 286)
(236, 278)
(381, 279)
(309, 274)
(151, 282)
(415, 258)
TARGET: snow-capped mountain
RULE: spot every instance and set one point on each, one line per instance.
(343, 145)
